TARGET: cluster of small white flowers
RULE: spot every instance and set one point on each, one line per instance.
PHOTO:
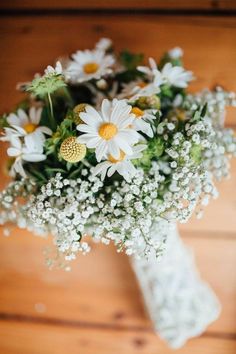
(64, 208)
(11, 209)
(128, 217)
(135, 214)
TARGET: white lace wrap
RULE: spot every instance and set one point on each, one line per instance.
(179, 303)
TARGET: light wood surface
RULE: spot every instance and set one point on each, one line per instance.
(208, 43)
(97, 307)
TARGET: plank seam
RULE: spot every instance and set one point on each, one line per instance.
(20, 318)
(119, 11)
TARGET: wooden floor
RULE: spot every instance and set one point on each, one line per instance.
(97, 308)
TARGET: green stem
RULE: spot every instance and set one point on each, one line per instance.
(52, 119)
(68, 95)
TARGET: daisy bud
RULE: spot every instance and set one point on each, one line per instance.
(77, 110)
(102, 84)
(71, 150)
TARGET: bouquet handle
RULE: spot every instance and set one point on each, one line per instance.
(179, 303)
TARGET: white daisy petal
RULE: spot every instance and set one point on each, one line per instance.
(84, 128)
(45, 130)
(113, 149)
(33, 157)
(92, 143)
(106, 110)
(12, 119)
(83, 139)
(101, 150)
(11, 151)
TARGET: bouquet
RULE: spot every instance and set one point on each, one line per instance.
(105, 146)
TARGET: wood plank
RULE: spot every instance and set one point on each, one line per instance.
(22, 40)
(42, 339)
(101, 288)
(122, 4)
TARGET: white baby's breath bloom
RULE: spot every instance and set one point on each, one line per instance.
(24, 124)
(108, 132)
(89, 64)
(50, 70)
(30, 151)
(175, 53)
(122, 165)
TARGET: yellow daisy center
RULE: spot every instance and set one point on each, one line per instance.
(30, 127)
(113, 160)
(142, 84)
(107, 131)
(91, 68)
(137, 112)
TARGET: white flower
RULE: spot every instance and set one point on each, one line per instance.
(150, 72)
(122, 165)
(176, 75)
(108, 132)
(135, 89)
(89, 64)
(31, 151)
(53, 71)
(172, 75)
(141, 123)
(24, 124)
(104, 44)
(175, 53)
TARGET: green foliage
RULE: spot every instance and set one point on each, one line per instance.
(46, 85)
(167, 59)
(130, 60)
(196, 154)
(3, 121)
(64, 130)
(154, 151)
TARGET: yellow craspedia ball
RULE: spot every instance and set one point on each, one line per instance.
(77, 110)
(71, 150)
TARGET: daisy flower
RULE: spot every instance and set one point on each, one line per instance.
(122, 165)
(176, 75)
(172, 75)
(31, 151)
(50, 70)
(108, 132)
(149, 71)
(138, 88)
(25, 124)
(89, 64)
(141, 123)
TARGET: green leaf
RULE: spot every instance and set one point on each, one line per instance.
(130, 60)
(196, 153)
(204, 110)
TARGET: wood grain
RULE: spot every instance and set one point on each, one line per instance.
(101, 288)
(209, 45)
(42, 339)
(97, 307)
(122, 4)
